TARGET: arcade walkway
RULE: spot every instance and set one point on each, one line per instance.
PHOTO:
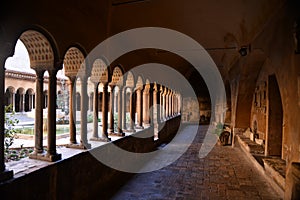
(224, 174)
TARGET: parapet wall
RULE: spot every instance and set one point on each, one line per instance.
(83, 176)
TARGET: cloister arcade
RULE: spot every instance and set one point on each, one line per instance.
(252, 45)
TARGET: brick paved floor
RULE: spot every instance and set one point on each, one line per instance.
(225, 173)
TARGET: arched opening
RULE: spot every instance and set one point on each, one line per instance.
(275, 119)
(29, 100)
(19, 100)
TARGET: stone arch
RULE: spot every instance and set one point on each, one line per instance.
(29, 100)
(40, 49)
(117, 76)
(139, 82)
(9, 97)
(100, 72)
(130, 80)
(74, 62)
(19, 100)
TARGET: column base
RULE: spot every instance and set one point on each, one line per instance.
(45, 156)
(117, 134)
(100, 139)
(130, 131)
(139, 127)
(6, 175)
(146, 125)
(75, 146)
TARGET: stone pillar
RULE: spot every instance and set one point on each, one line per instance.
(139, 108)
(111, 109)
(51, 151)
(124, 108)
(4, 174)
(131, 110)
(72, 110)
(105, 112)
(146, 122)
(155, 111)
(163, 112)
(13, 95)
(38, 125)
(167, 105)
(120, 131)
(96, 111)
(83, 114)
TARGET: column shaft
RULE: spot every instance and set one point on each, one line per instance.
(104, 111)
(111, 109)
(52, 113)
(83, 120)
(120, 110)
(38, 125)
(96, 110)
(72, 110)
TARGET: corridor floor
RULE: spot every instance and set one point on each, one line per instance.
(225, 173)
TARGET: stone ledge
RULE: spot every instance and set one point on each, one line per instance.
(276, 168)
(244, 144)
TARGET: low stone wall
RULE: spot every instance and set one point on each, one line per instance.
(83, 176)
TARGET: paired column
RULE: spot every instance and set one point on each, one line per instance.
(38, 125)
(146, 122)
(120, 131)
(96, 111)
(131, 111)
(83, 114)
(111, 109)
(51, 151)
(139, 108)
(105, 112)
(72, 110)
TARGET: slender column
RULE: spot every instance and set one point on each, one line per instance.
(167, 104)
(163, 116)
(104, 111)
(139, 108)
(4, 174)
(72, 110)
(83, 114)
(124, 108)
(160, 104)
(51, 151)
(155, 112)
(146, 107)
(111, 109)
(131, 110)
(120, 131)
(13, 101)
(96, 110)
(170, 103)
(38, 125)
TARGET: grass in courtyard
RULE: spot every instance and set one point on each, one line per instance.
(30, 130)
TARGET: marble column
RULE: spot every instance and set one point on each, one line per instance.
(111, 109)
(120, 131)
(83, 114)
(105, 112)
(131, 111)
(139, 108)
(124, 99)
(72, 110)
(38, 125)
(13, 95)
(96, 111)
(51, 148)
(155, 111)
(146, 107)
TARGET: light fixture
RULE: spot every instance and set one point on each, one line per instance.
(243, 50)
